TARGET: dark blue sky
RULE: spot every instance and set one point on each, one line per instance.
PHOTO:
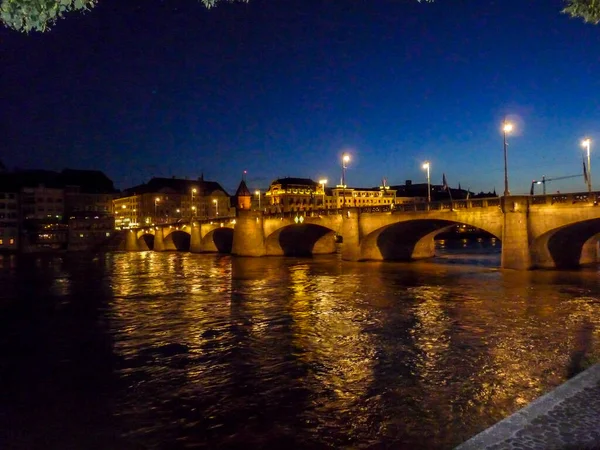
(283, 87)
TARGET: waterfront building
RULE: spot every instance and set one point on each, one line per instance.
(89, 230)
(304, 194)
(87, 191)
(9, 216)
(44, 201)
(293, 194)
(164, 200)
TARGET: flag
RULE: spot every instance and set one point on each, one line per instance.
(444, 182)
(585, 174)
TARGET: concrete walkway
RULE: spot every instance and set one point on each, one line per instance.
(566, 418)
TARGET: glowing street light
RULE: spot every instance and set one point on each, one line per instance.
(193, 207)
(586, 143)
(323, 182)
(345, 161)
(257, 192)
(507, 127)
(216, 202)
(426, 167)
(156, 200)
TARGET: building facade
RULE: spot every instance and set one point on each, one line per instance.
(304, 194)
(9, 219)
(165, 200)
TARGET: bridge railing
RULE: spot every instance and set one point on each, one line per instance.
(448, 205)
(398, 207)
(566, 199)
(304, 213)
(181, 222)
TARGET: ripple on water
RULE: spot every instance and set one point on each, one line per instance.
(205, 350)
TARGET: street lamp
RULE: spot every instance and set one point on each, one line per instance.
(345, 161)
(426, 167)
(323, 182)
(193, 208)
(586, 143)
(507, 127)
(156, 200)
(257, 192)
(216, 202)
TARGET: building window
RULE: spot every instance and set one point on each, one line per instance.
(11, 241)
(1, 241)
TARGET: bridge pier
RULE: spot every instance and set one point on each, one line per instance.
(131, 242)
(516, 252)
(195, 238)
(159, 242)
(351, 235)
(249, 236)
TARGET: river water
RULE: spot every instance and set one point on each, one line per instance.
(176, 350)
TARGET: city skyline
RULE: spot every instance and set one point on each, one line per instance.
(284, 90)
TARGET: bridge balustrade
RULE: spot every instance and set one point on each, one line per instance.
(396, 208)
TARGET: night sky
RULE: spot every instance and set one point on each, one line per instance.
(143, 88)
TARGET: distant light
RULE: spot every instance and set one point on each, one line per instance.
(508, 127)
(426, 165)
(586, 142)
(323, 181)
(346, 157)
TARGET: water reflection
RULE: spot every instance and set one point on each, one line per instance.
(208, 350)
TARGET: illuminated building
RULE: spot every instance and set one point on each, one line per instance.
(165, 200)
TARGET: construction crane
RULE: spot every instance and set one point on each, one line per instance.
(545, 180)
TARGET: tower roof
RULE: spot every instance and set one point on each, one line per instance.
(242, 190)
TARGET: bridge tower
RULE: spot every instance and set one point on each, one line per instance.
(249, 236)
(243, 196)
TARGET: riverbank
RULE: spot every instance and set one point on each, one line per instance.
(567, 417)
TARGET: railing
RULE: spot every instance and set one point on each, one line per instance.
(566, 199)
(182, 222)
(304, 213)
(447, 205)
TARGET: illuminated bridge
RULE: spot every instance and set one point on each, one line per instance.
(542, 231)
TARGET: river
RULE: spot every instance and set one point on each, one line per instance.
(178, 350)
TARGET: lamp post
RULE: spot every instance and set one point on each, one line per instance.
(257, 192)
(586, 143)
(507, 127)
(426, 167)
(216, 202)
(323, 182)
(193, 206)
(156, 200)
(345, 161)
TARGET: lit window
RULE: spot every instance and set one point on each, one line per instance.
(11, 242)
(1, 241)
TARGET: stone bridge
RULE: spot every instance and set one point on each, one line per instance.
(543, 231)
(196, 236)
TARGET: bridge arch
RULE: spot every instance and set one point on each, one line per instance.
(567, 246)
(218, 240)
(305, 239)
(408, 240)
(145, 241)
(177, 240)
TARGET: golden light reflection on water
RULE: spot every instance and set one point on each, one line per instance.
(345, 354)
